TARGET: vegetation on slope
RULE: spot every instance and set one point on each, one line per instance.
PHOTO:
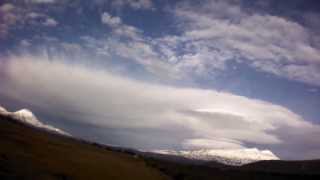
(28, 153)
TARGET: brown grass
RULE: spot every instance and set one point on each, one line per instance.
(26, 153)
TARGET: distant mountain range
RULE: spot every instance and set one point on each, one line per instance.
(234, 157)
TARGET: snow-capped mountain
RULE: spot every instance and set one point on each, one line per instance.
(27, 117)
(3, 110)
(235, 157)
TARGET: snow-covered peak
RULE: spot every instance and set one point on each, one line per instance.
(3, 110)
(25, 113)
(234, 157)
(27, 117)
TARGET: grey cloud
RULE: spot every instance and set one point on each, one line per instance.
(309, 145)
(212, 143)
(222, 120)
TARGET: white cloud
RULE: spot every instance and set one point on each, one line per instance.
(14, 15)
(218, 32)
(25, 43)
(8, 18)
(212, 144)
(138, 50)
(71, 47)
(270, 43)
(34, 17)
(135, 4)
(41, 1)
(102, 99)
(106, 18)
(119, 28)
(136, 47)
(6, 7)
(50, 22)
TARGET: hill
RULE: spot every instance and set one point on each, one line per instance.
(30, 153)
(27, 152)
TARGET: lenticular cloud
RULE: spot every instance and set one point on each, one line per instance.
(104, 100)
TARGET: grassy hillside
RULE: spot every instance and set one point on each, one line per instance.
(311, 167)
(26, 153)
(189, 171)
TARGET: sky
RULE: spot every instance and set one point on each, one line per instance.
(179, 75)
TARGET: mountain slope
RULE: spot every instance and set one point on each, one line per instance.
(29, 153)
(288, 167)
(27, 117)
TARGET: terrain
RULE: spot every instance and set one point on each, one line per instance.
(30, 153)
(27, 152)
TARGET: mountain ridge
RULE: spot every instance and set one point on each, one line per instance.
(234, 157)
(27, 117)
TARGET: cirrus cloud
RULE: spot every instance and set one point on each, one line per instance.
(270, 43)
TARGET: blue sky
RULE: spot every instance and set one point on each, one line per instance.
(168, 74)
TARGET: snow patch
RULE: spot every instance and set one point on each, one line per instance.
(235, 157)
(3, 110)
(27, 116)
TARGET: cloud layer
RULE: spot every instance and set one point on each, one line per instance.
(209, 119)
(14, 17)
(215, 33)
(207, 37)
(219, 31)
